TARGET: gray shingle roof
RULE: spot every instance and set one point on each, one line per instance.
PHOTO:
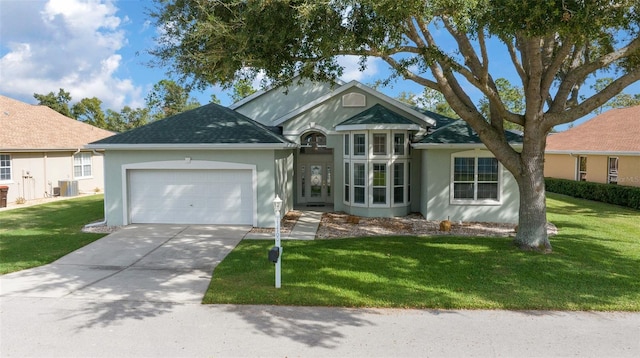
(209, 124)
(377, 114)
(459, 132)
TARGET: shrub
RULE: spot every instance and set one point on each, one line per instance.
(628, 196)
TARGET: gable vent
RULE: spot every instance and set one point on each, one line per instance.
(354, 100)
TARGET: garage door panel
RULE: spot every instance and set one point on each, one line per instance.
(191, 196)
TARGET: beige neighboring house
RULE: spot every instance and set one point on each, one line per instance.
(41, 149)
(604, 149)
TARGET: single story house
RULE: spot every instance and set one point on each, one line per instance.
(344, 145)
(604, 149)
(40, 148)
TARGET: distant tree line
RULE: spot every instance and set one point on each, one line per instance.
(165, 99)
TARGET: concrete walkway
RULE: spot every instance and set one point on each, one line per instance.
(304, 229)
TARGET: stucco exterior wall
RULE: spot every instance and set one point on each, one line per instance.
(564, 166)
(274, 103)
(629, 170)
(561, 166)
(264, 160)
(436, 197)
(31, 174)
(284, 180)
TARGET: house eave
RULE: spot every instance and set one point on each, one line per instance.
(457, 146)
(594, 152)
(362, 127)
(41, 150)
(202, 146)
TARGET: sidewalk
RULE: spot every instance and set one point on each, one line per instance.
(304, 229)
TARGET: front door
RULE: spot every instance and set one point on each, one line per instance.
(315, 183)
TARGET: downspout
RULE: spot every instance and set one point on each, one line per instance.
(104, 205)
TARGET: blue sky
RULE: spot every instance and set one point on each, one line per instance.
(98, 48)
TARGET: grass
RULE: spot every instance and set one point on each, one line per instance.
(595, 265)
(37, 235)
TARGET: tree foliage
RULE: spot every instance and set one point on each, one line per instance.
(58, 102)
(89, 110)
(554, 47)
(168, 98)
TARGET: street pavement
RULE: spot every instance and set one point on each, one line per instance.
(136, 293)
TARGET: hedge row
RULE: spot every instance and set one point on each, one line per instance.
(607, 193)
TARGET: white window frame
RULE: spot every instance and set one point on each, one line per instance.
(86, 159)
(354, 186)
(580, 173)
(404, 153)
(372, 185)
(377, 154)
(353, 145)
(475, 155)
(612, 173)
(347, 143)
(346, 185)
(10, 167)
(404, 185)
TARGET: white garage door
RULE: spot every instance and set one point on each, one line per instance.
(191, 196)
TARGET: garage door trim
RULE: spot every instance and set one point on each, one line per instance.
(186, 164)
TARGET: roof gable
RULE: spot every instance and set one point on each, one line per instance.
(28, 127)
(392, 103)
(617, 130)
(375, 117)
(209, 124)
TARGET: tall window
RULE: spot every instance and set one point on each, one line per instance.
(475, 179)
(346, 144)
(5, 167)
(398, 183)
(359, 183)
(82, 165)
(346, 182)
(582, 168)
(613, 170)
(379, 144)
(379, 190)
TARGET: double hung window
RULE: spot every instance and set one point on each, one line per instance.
(475, 179)
(5, 167)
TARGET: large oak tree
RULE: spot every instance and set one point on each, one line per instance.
(554, 47)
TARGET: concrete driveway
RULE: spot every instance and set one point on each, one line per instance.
(158, 263)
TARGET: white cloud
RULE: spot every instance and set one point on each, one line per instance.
(352, 70)
(74, 46)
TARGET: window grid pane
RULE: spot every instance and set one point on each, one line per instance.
(463, 190)
(359, 147)
(398, 144)
(487, 169)
(346, 182)
(379, 144)
(487, 191)
(464, 169)
(359, 180)
(5, 167)
(346, 144)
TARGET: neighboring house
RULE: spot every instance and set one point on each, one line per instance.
(40, 147)
(346, 145)
(604, 149)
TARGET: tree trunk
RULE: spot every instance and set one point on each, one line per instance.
(532, 226)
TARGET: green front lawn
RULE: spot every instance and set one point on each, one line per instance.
(37, 235)
(595, 266)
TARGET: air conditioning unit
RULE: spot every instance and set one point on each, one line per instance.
(68, 187)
